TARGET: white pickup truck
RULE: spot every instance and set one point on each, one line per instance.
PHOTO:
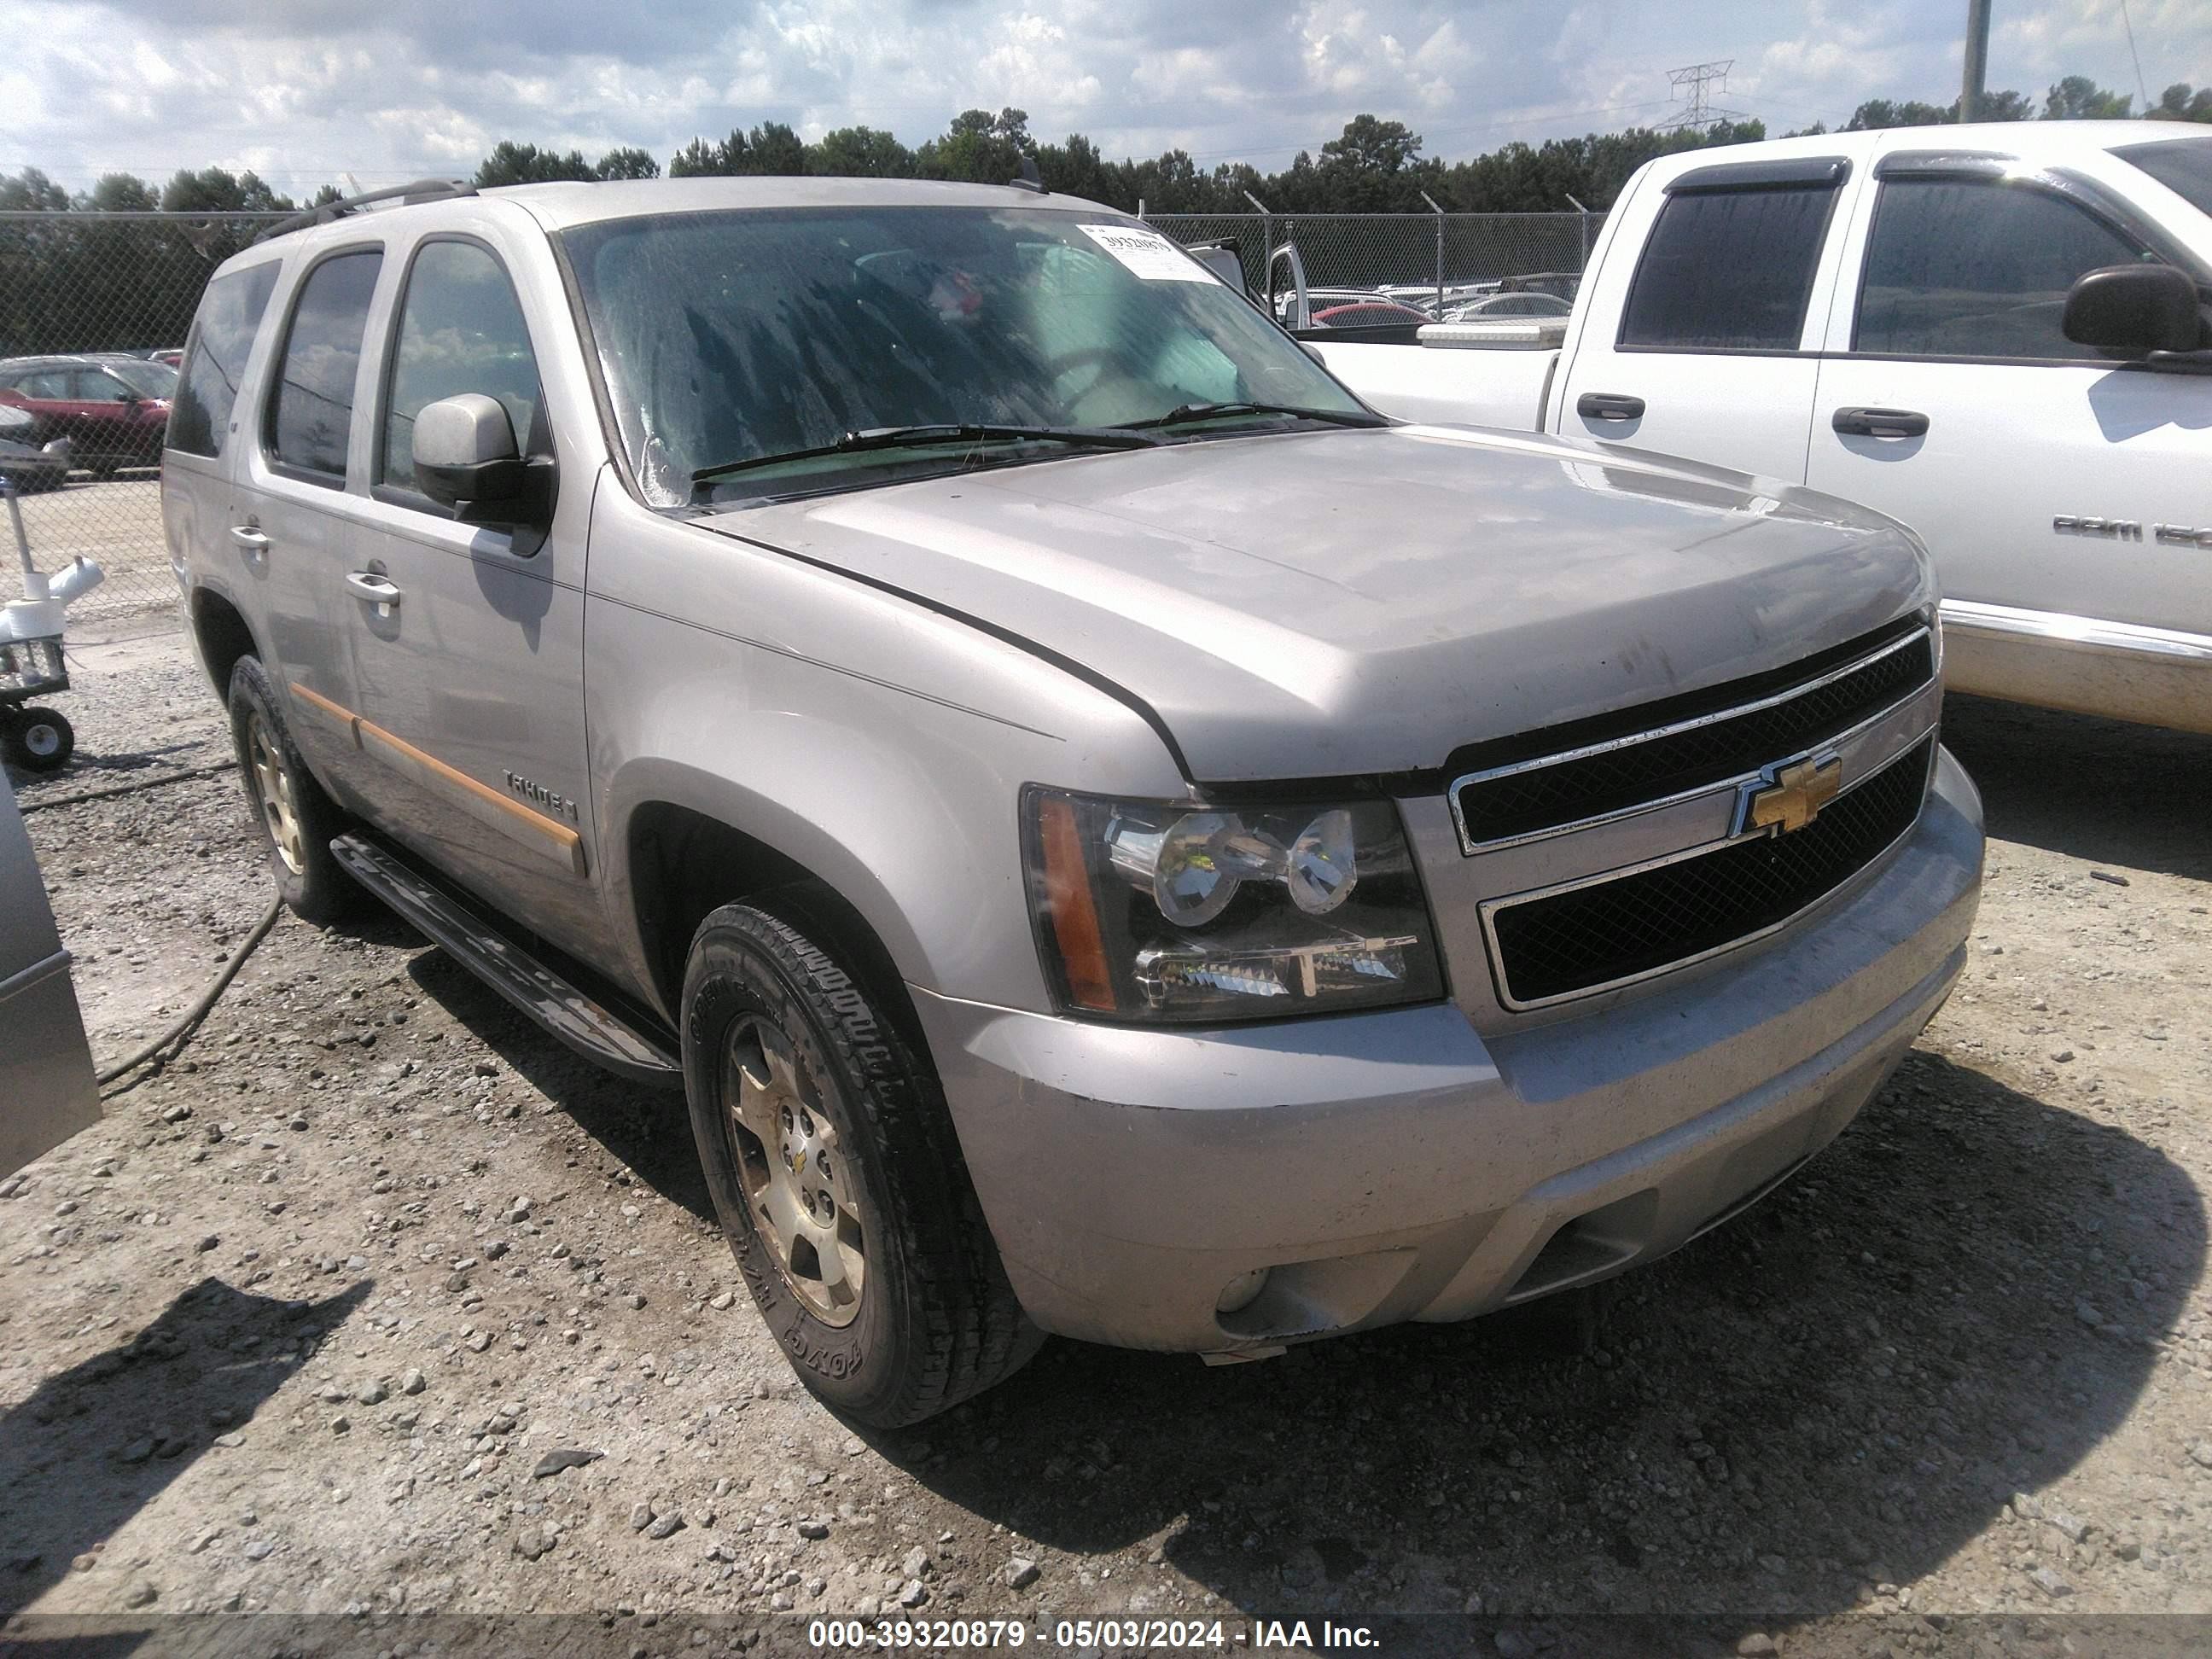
(1996, 334)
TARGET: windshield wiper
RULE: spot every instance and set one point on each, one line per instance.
(918, 437)
(1185, 413)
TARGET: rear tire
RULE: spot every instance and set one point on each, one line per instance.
(38, 739)
(838, 1179)
(297, 819)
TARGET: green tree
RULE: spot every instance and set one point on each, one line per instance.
(860, 153)
(770, 149)
(979, 148)
(2179, 102)
(324, 195)
(2077, 98)
(627, 162)
(213, 190)
(510, 163)
(1879, 112)
(120, 192)
(31, 192)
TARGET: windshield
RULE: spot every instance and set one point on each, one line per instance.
(2183, 166)
(147, 380)
(729, 336)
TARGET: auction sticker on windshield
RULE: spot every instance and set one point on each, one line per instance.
(1148, 253)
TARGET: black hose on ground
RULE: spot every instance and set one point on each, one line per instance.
(181, 1031)
(131, 788)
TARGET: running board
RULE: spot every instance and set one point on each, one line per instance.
(581, 1021)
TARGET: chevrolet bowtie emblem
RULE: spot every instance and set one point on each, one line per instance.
(1795, 797)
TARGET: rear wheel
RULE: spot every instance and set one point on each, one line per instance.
(297, 819)
(838, 1179)
(38, 739)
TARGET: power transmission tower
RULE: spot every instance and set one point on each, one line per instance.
(1691, 82)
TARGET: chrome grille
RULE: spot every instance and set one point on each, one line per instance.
(1569, 788)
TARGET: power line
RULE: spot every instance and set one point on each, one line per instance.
(2140, 85)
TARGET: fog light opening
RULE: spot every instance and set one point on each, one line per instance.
(1242, 1292)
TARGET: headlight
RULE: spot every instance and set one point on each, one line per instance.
(1149, 910)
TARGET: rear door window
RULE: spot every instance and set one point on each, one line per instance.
(1973, 268)
(230, 312)
(1728, 270)
(311, 406)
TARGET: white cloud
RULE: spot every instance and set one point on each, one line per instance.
(309, 88)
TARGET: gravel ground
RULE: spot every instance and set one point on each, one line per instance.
(379, 1302)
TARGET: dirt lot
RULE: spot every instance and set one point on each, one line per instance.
(302, 1326)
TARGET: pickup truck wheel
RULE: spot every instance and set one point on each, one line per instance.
(297, 819)
(838, 1179)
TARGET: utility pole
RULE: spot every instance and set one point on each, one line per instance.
(1978, 59)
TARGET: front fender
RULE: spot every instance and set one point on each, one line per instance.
(879, 744)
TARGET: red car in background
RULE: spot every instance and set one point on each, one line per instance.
(112, 410)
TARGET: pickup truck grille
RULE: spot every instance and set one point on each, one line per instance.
(1627, 926)
(1746, 731)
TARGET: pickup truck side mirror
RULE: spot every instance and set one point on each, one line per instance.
(466, 459)
(2131, 310)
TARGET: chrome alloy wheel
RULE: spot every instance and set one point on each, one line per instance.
(273, 784)
(792, 1165)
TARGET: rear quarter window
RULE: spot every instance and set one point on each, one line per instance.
(223, 337)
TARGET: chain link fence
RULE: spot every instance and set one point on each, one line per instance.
(86, 300)
(1416, 258)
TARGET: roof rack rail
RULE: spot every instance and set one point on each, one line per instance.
(422, 189)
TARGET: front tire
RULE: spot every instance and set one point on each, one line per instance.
(838, 1179)
(297, 819)
(38, 739)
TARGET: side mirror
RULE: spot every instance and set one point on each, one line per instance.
(2131, 310)
(466, 459)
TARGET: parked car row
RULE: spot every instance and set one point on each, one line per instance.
(111, 407)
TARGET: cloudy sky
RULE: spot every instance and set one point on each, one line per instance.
(301, 90)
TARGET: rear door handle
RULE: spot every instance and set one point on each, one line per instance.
(1608, 406)
(368, 585)
(1880, 423)
(248, 537)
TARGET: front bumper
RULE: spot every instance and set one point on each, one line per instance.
(1400, 1166)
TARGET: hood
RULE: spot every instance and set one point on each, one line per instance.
(1323, 604)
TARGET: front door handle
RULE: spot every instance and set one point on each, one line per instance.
(376, 589)
(250, 539)
(1880, 423)
(1608, 406)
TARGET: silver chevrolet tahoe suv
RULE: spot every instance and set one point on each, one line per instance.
(1110, 835)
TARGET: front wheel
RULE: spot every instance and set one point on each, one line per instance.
(838, 1179)
(38, 739)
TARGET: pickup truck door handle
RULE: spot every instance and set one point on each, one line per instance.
(1608, 406)
(250, 538)
(1880, 423)
(368, 585)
